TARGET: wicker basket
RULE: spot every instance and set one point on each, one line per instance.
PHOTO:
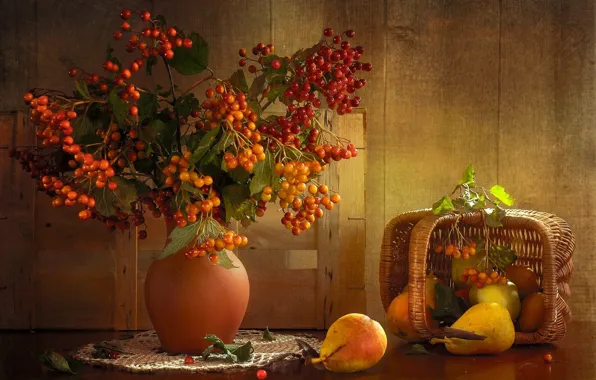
(543, 242)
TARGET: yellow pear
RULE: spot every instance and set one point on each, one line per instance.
(505, 295)
(532, 313)
(353, 343)
(489, 320)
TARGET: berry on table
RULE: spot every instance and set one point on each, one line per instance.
(189, 360)
(261, 374)
(548, 358)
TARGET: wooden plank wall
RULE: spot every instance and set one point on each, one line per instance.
(505, 84)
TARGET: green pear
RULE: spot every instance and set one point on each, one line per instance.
(505, 295)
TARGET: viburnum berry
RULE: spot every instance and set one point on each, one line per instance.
(328, 32)
(187, 43)
(145, 15)
(261, 374)
(548, 358)
(189, 360)
(275, 64)
(133, 110)
(169, 54)
(125, 14)
(73, 72)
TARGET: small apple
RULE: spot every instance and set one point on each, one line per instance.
(505, 295)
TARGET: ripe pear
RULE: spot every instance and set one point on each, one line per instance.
(489, 320)
(532, 313)
(505, 295)
(353, 343)
(524, 278)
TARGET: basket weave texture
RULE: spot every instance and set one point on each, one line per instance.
(543, 241)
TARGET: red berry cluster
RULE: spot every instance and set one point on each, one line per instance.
(52, 122)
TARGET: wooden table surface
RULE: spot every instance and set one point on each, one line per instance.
(574, 358)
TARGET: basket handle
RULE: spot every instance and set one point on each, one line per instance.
(419, 245)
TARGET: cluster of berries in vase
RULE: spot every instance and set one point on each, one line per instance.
(119, 151)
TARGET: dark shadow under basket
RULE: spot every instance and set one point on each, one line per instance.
(543, 242)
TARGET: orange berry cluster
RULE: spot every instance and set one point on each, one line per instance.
(52, 122)
(304, 202)
(211, 246)
(453, 250)
(246, 157)
(479, 279)
(223, 104)
(86, 166)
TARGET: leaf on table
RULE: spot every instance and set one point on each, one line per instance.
(55, 362)
(234, 352)
(179, 238)
(417, 349)
(502, 256)
(462, 334)
(309, 353)
(449, 308)
(443, 205)
(503, 196)
(268, 336)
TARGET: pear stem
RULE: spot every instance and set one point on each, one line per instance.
(317, 360)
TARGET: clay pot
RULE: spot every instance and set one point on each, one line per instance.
(190, 298)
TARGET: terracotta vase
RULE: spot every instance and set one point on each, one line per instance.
(190, 298)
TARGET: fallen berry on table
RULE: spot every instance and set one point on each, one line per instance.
(189, 360)
(548, 358)
(261, 374)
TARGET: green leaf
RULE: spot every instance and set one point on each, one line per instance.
(186, 186)
(161, 19)
(268, 336)
(110, 57)
(146, 165)
(119, 108)
(502, 256)
(468, 178)
(418, 349)
(238, 174)
(164, 133)
(224, 260)
(191, 61)
(235, 201)
(255, 106)
(55, 362)
(502, 195)
(238, 80)
(449, 308)
(276, 92)
(127, 191)
(83, 89)
(147, 106)
(84, 130)
(257, 87)
(494, 217)
(234, 352)
(443, 205)
(179, 238)
(264, 174)
(151, 61)
(244, 352)
(204, 145)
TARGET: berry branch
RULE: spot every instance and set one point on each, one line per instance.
(174, 103)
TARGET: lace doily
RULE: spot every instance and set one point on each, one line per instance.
(142, 354)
